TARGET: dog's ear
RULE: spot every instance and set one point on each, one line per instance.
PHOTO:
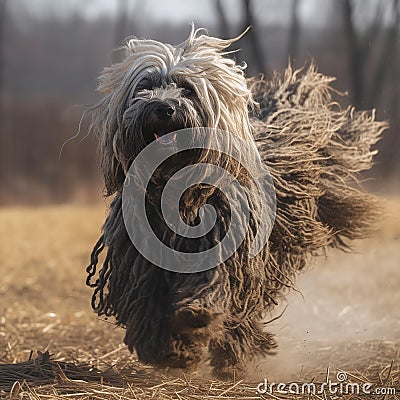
(111, 165)
(111, 78)
(105, 124)
(114, 175)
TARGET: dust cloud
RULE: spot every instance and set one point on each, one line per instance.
(346, 315)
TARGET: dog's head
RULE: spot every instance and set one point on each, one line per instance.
(159, 88)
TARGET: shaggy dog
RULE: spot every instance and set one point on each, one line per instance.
(313, 150)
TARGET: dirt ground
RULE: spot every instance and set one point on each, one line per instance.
(347, 316)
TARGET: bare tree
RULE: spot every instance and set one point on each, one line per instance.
(253, 39)
(395, 89)
(356, 57)
(3, 4)
(121, 22)
(359, 50)
(222, 20)
(386, 57)
(294, 31)
(2, 112)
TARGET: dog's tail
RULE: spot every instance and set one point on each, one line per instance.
(315, 151)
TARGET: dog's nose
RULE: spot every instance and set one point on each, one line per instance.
(164, 111)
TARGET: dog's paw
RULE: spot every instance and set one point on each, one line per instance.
(193, 318)
(182, 356)
(196, 324)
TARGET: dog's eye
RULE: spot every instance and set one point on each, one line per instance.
(144, 84)
(187, 91)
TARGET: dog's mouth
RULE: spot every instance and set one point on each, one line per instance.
(163, 134)
(167, 138)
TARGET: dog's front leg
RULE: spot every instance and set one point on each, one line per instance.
(199, 300)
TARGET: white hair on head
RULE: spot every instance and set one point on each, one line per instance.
(199, 62)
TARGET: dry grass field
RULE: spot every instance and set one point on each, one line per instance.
(348, 319)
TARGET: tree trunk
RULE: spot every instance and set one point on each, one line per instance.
(294, 32)
(121, 25)
(252, 37)
(386, 58)
(3, 4)
(354, 54)
(222, 20)
(2, 94)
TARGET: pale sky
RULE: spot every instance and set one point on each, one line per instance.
(311, 12)
(266, 11)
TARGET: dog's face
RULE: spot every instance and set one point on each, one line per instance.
(159, 88)
(156, 109)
